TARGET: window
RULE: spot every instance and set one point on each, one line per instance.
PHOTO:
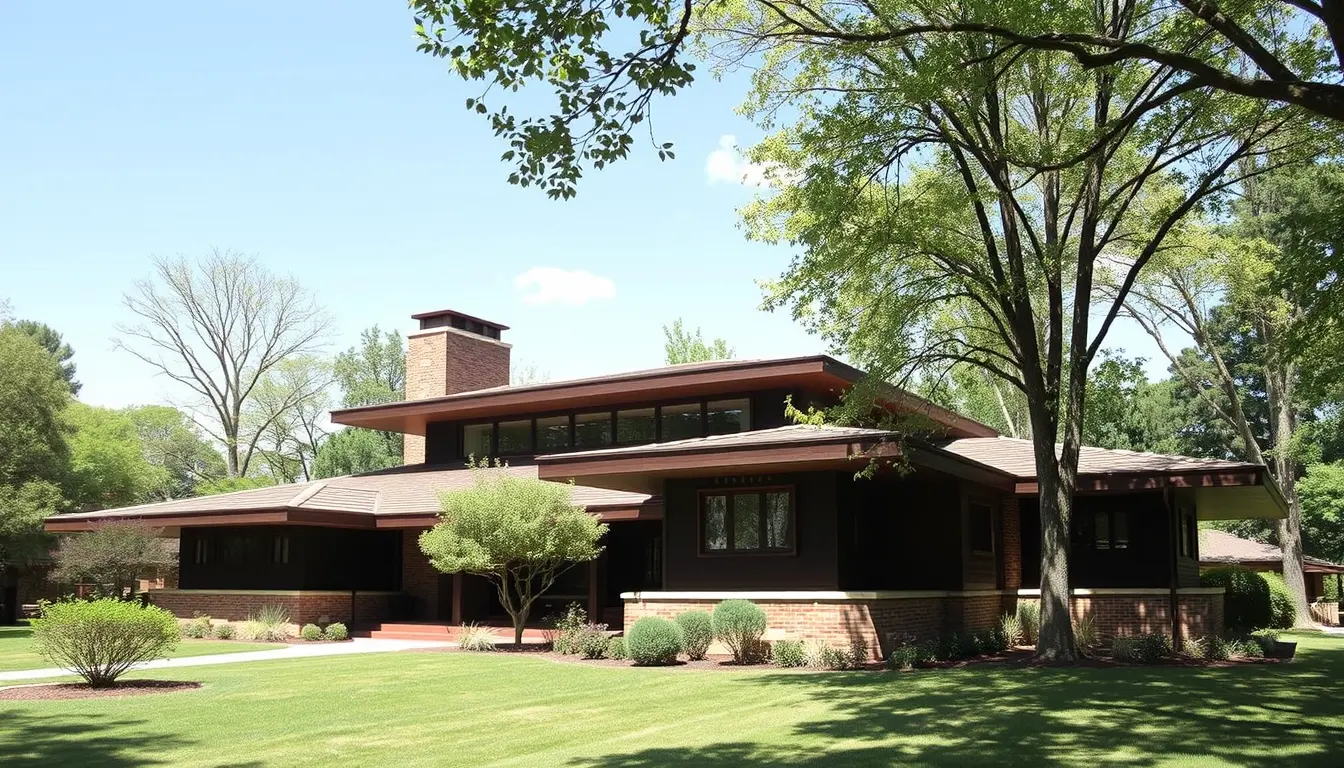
(477, 440)
(728, 416)
(757, 521)
(681, 422)
(981, 527)
(1110, 529)
(202, 552)
(1192, 535)
(553, 433)
(280, 550)
(592, 430)
(635, 426)
(515, 436)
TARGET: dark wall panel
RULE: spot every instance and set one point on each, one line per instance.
(1145, 562)
(289, 557)
(900, 532)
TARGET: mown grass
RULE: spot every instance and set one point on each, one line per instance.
(16, 649)
(418, 708)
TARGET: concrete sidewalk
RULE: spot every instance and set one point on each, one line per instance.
(296, 651)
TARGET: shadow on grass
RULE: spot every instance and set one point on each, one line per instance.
(1269, 715)
(14, 632)
(33, 739)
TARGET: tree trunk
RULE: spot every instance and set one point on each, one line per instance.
(1279, 392)
(1054, 641)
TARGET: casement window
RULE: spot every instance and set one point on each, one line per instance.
(638, 425)
(592, 430)
(478, 440)
(748, 521)
(980, 523)
(728, 416)
(280, 550)
(515, 437)
(1189, 534)
(202, 552)
(680, 422)
(552, 433)
(1110, 529)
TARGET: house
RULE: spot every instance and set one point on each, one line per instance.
(711, 493)
(1222, 548)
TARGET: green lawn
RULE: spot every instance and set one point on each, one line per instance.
(16, 649)
(418, 708)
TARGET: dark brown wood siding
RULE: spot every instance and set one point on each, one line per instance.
(245, 557)
(1145, 562)
(900, 532)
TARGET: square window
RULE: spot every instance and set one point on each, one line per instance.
(635, 426)
(592, 430)
(981, 522)
(681, 422)
(515, 436)
(477, 440)
(715, 527)
(729, 416)
(553, 433)
(746, 521)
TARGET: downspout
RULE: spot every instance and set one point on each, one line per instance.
(1174, 535)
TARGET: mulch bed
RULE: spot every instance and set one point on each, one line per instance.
(59, 691)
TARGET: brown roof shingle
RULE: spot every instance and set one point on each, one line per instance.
(1017, 457)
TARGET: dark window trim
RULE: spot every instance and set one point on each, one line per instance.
(1111, 515)
(759, 490)
(974, 500)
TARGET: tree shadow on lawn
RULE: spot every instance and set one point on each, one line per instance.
(1263, 715)
(33, 739)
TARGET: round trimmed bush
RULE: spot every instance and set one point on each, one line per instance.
(697, 630)
(1245, 596)
(653, 641)
(616, 649)
(100, 639)
(311, 632)
(337, 631)
(740, 625)
(1282, 613)
(788, 653)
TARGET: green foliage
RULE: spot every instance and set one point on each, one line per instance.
(682, 346)
(1321, 496)
(100, 639)
(1282, 613)
(698, 632)
(1147, 648)
(823, 655)
(270, 624)
(60, 351)
(224, 631)
(336, 631)
(1245, 596)
(1029, 616)
(175, 447)
(1086, 636)
(352, 451)
(1266, 638)
(616, 649)
(788, 653)
(197, 627)
(566, 628)
(108, 467)
(740, 625)
(311, 632)
(517, 531)
(1010, 626)
(593, 641)
(473, 637)
(114, 555)
(230, 484)
(654, 641)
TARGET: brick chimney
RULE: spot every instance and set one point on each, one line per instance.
(452, 353)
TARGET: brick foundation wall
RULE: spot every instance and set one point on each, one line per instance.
(973, 613)
(419, 579)
(303, 607)
(1199, 615)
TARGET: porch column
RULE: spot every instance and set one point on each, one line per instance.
(456, 605)
(594, 598)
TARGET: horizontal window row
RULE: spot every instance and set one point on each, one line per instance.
(756, 521)
(602, 429)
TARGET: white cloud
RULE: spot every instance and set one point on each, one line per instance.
(726, 165)
(551, 285)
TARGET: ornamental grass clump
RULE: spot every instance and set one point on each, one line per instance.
(1029, 616)
(100, 639)
(224, 631)
(269, 624)
(1086, 635)
(1148, 648)
(197, 627)
(740, 625)
(1010, 626)
(473, 637)
(697, 629)
(654, 641)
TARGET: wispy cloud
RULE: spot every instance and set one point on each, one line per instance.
(569, 287)
(726, 165)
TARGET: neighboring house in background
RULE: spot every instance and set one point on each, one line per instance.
(25, 585)
(1222, 548)
(710, 494)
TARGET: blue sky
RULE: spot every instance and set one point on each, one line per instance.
(331, 149)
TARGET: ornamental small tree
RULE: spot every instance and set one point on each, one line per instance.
(114, 555)
(518, 532)
(101, 639)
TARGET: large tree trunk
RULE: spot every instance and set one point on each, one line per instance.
(1279, 392)
(1055, 484)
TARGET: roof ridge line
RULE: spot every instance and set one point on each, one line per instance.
(307, 493)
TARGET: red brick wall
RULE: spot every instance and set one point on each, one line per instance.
(446, 361)
(303, 608)
(1199, 615)
(418, 578)
(1012, 544)
(973, 613)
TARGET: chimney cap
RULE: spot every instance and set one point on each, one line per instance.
(423, 316)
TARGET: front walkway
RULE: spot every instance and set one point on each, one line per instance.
(294, 651)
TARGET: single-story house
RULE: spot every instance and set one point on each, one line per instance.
(1222, 548)
(710, 493)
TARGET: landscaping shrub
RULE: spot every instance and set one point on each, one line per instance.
(1246, 647)
(906, 656)
(992, 641)
(311, 632)
(1282, 613)
(1029, 615)
(566, 629)
(788, 653)
(1245, 596)
(1085, 635)
(653, 641)
(1010, 626)
(224, 631)
(1217, 649)
(740, 625)
(823, 655)
(697, 629)
(951, 647)
(101, 639)
(1266, 639)
(616, 648)
(270, 624)
(1147, 648)
(593, 641)
(474, 637)
(197, 627)
(337, 631)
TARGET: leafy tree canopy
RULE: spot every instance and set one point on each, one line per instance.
(171, 442)
(683, 346)
(56, 346)
(353, 450)
(114, 555)
(370, 373)
(108, 465)
(228, 484)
